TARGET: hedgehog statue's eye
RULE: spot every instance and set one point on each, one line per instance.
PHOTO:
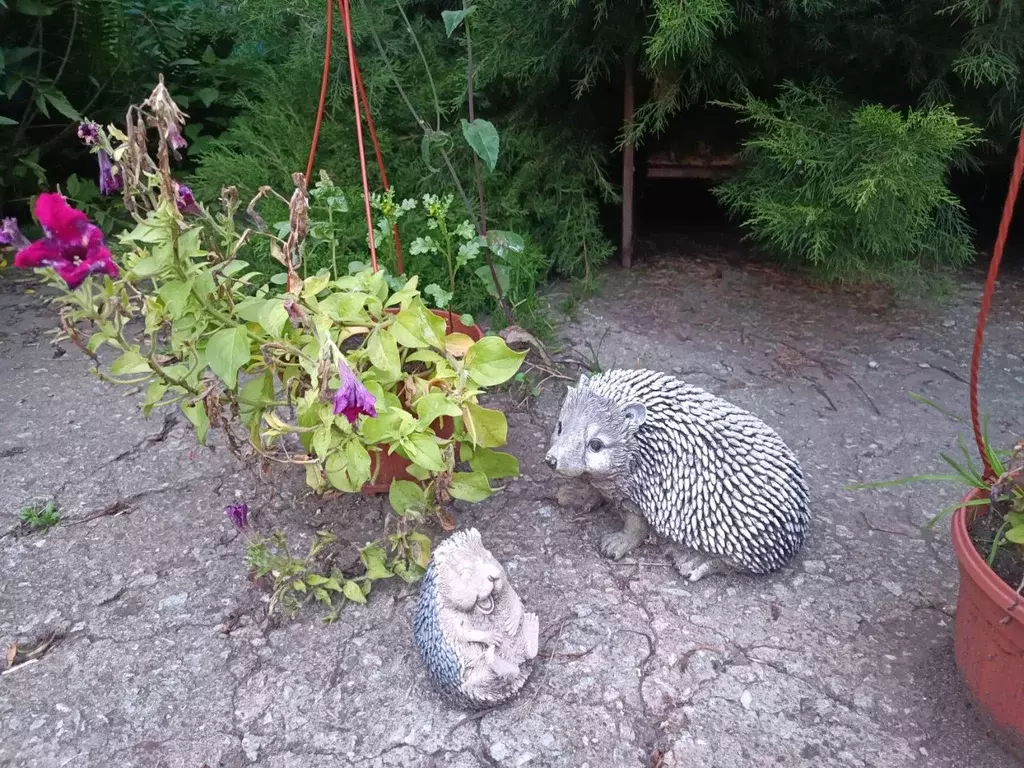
(595, 445)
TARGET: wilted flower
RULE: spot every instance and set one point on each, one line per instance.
(89, 133)
(238, 514)
(175, 139)
(185, 200)
(11, 235)
(352, 398)
(296, 314)
(110, 175)
(72, 246)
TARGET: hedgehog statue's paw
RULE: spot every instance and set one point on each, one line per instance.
(694, 566)
(617, 545)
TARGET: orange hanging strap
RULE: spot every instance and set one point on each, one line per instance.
(343, 5)
(986, 301)
(323, 91)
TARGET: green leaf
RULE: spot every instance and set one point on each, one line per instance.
(250, 309)
(383, 351)
(253, 398)
(154, 394)
(153, 264)
(494, 464)
(470, 486)
(322, 440)
(502, 242)
(7, 121)
(299, 586)
(175, 295)
(208, 95)
(348, 469)
(416, 326)
(484, 273)
(374, 559)
(420, 549)
(487, 428)
(1016, 535)
(452, 20)
(316, 580)
(482, 136)
(405, 495)
(33, 7)
(128, 363)
(424, 450)
(434, 405)
(352, 591)
(490, 362)
(61, 104)
(273, 316)
(226, 352)
(196, 413)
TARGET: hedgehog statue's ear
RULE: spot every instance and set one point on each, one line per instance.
(635, 413)
(584, 380)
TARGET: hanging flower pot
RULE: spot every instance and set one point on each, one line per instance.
(989, 637)
(386, 467)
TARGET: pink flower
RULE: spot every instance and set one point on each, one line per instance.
(352, 398)
(89, 133)
(71, 246)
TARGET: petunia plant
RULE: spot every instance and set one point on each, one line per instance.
(333, 373)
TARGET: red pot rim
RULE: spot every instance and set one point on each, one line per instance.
(997, 590)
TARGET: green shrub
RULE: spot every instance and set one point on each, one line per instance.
(853, 193)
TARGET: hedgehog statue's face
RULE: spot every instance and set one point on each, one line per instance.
(469, 576)
(593, 435)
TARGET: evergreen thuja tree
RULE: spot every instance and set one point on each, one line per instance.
(855, 193)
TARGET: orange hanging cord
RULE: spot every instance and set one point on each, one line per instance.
(986, 301)
(358, 94)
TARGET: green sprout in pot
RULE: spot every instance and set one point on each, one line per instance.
(331, 373)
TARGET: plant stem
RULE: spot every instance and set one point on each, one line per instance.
(426, 66)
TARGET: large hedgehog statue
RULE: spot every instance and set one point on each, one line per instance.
(712, 478)
(470, 629)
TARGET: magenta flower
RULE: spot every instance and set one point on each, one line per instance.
(110, 175)
(185, 200)
(238, 514)
(352, 398)
(89, 133)
(72, 246)
(11, 235)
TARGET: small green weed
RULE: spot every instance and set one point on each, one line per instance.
(39, 518)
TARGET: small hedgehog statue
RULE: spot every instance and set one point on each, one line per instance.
(712, 478)
(470, 629)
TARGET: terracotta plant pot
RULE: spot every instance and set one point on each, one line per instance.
(989, 638)
(392, 466)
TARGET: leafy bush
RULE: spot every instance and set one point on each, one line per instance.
(330, 371)
(854, 193)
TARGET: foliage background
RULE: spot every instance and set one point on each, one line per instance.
(548, 74)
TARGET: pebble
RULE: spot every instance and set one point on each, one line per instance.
(948, 323)
(251, 746)
(872, 364)
(923, 365)
(893, 587)
(745, 699)
(524, 758)
(498, 751)
(172, 602)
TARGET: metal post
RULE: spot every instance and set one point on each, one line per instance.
(628, 109)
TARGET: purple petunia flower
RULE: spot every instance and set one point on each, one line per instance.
(89, 133)
(72, 246)
(11, 235)
(185, 200)
(238, 514)
(352, 398)
(110, 175)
